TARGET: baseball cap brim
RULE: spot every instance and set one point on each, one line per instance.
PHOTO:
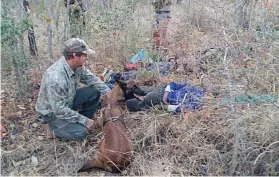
(89, 52)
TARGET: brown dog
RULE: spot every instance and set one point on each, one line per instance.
(115, 149)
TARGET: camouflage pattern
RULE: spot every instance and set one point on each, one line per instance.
(76, 17)
(75, 45)
(162, 5)
(58, 89)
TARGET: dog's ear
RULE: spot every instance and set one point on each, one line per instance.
(122, 85)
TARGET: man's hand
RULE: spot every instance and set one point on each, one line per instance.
(91, 125)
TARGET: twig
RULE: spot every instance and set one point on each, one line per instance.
(91, 149)
(235, 122)
(275, 105)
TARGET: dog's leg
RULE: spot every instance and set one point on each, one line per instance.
(97, 162)
(92, 164)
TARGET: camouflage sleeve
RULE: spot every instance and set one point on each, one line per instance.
(91, 80)
(56, 91)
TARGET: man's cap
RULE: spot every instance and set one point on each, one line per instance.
(75, 45)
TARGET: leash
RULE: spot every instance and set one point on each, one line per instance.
(113, 118)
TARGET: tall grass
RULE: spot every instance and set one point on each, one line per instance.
(237, 139)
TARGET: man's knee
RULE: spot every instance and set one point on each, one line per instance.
(91, 93)
(87, 93)
(95, 94)
(79, 134)
(65, 130)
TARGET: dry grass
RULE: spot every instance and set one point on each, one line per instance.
(237, 139)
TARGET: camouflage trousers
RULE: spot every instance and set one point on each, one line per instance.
(77, 24)
(160, 29)
(153, 97)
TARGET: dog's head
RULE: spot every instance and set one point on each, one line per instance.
(130, 89)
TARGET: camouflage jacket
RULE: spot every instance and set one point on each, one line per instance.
(58, 89)
(162, 5)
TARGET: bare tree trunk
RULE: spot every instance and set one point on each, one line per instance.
(31, 36)
(22, 69)
(19, 59)
(67, 23)
(32, 42)
(244, 12)
(50, 49)
(49, 26)
(20, 66)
